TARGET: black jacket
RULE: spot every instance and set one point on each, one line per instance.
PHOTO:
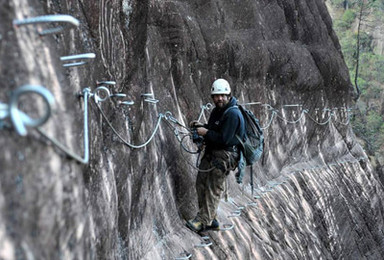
(222, 130)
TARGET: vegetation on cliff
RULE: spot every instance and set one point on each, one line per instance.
(359, 25)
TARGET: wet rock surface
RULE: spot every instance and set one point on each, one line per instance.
(317, 196)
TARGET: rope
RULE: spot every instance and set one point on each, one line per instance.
(348, 119)
(168, 116)
(304, 111)
(292, 122)
(160, 116)
(270, 121)
(321, 123)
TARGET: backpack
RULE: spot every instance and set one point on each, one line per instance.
(252, 146)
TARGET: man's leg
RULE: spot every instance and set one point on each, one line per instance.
(201, 180)
(215, 184)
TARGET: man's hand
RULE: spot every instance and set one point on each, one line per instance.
(195, 124)
(202, 131)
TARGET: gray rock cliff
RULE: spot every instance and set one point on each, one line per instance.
(316, 195)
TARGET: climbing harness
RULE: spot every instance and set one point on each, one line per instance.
(169, 118)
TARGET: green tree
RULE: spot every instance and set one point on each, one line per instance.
(363, 11)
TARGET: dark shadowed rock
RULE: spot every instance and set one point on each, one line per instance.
(132, 203)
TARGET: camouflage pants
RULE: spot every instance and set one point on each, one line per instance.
(211, 184)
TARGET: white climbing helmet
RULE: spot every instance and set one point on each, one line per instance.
(220, 86)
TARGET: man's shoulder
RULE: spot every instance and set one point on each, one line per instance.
(233, 110)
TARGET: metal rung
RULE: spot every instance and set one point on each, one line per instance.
(151, 100)
(206, 238)
(227, 227)
(150, 95)
(118, 95)
(57, 18)
(235, 214)
(106, 82)
(293, 105)
(81, 57)
(266, 190)
(127, 103)
(251, 103)
(74, 64)
(187, 256)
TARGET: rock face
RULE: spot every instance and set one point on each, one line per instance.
(317, 196)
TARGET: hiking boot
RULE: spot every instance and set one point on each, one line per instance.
(215, 225)
(195, 225)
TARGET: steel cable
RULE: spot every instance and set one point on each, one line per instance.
(160, 116)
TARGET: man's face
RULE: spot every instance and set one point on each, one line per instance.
(220, 100)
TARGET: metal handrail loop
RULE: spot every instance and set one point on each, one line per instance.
(97, 94)
(56, 18)
(19, 119)
(207, 106)
(86, 93)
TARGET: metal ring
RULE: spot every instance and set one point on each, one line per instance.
(19, 118)
(97, 96)
(57, 18)
(168, 115)
(208, 106)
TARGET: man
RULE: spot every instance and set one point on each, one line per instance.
(221, 154)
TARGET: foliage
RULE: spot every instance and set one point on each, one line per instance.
(368, 122)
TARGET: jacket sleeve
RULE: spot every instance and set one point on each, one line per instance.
(226, 135)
